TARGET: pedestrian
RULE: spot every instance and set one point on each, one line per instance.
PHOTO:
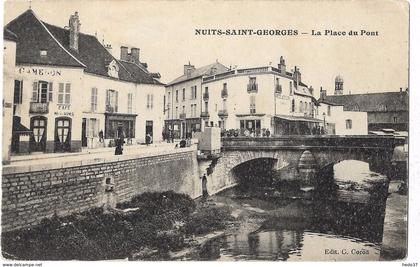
(163, 136)
(148, 139)
(101, 136)
(182, 143)
(118, 147)
(172, 136)
(204, 186)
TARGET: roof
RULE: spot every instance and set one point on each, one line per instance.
(36, 35)
(9, 35)
(374, 102)
(203, 71)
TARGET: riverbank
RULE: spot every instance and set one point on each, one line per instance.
(394, 242)
(150, 226)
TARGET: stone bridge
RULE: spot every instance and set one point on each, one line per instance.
(301, 157)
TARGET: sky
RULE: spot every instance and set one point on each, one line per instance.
(165, 33)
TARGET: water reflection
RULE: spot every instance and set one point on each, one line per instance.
(346, 224)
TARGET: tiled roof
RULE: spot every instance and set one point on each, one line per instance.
(138, 73)
(203, 71)
(386, 101)
(9, 35)
(36, 35)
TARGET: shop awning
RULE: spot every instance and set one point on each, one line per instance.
(298, 118)
(19, 128)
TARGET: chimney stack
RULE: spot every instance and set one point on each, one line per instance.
(108, 47)
(282, 65)
(188, 69)
(74, 26)
(135, 55)
(322, 93)
(124, 53)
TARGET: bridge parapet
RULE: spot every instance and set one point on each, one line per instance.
(313, 142)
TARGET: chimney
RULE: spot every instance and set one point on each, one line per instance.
(188, 69)
(296, 75)
(322, 93)
(74, 27)
(400, 89)
(311, 90)
(124, 53)
(282, 65)
(135, 55)
(108, 47)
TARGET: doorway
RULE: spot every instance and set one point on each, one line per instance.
(38, 139)
(149, 128)
(62, 140)
(84, 135)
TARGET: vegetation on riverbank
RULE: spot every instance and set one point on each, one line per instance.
(151, 221)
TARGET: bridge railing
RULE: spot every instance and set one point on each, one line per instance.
(312, 141)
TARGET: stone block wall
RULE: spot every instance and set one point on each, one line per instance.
(31, 193)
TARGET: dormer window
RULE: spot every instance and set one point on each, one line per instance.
(113, 69)
(43, 53)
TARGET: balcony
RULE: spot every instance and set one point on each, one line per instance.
(111, 109)
(205, 115)
(222, 113)
(252, 88)
(206, 96)
(224, 93)
(182, 116)
(39, 108)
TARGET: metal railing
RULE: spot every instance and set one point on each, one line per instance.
(41, 108)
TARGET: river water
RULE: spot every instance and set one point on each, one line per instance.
(343, 224)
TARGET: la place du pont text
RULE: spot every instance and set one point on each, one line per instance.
(344, 33)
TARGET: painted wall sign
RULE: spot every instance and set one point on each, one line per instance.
(63, 107)
(40, 71)
(62, 113)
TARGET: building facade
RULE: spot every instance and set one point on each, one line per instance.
(261, 99)
(71, 93)
(386, 110)
(184, 102)
(9, 61)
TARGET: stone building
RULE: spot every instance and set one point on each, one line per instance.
(260, 98)
(184, 100)
(386, 110)
(70, 90)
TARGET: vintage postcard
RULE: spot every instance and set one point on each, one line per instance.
(205, 130)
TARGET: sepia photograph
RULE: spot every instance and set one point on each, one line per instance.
(205, 131)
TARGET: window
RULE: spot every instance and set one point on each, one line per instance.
(291, 88)
(43, 53)
(329, 110)
(183, 109)
(149, 104)
(111, 101)
(252, 108)
(224, 104)
(395, 119)
(130, 103)
(278, 88)
(252, 80)
(349, 124)
(17, 96)
(42, 92)
(194, 92)
(94, 99)
(183, 94)
(93, 127)
(192, 110)
(293, 105)
(176, 113)
(64, 93)
(300, 106)
(176, 96)
(306, 107)
(206, 106)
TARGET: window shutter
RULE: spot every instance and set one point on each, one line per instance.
(151, 101)
(116, 101)
(35, 92)
(50, 92)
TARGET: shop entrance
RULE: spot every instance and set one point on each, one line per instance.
(62, 139)
(84, 135)
(38, 139)
(149, 128)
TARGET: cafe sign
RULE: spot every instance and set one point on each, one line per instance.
(40, 71)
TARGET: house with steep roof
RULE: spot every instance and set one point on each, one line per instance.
(386, 110)
(74, 93)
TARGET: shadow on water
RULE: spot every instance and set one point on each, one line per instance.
(340, 222)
